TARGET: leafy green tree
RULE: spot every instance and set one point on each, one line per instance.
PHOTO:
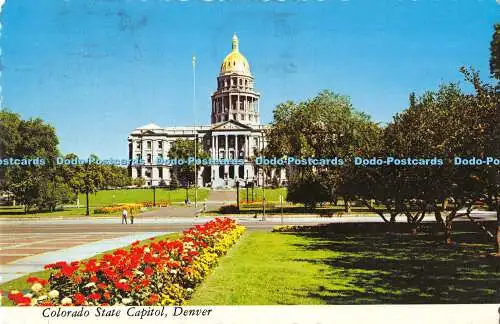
(27, 139)
(87, 178)
(183, 149)
(325, 126)
(495, 52)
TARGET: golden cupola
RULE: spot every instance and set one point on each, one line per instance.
(235, 62)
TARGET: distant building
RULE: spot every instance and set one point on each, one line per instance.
(235, 132)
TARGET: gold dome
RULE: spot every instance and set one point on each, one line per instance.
(235, 62)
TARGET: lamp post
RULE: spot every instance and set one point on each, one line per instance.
(154, 196)
(246, 186)
(264, 195)
(195, 134)
(238, 195)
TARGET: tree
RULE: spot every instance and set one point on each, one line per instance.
(325, 126)
(87, 178)
(184, 149)
(495, 52)
(27, 139)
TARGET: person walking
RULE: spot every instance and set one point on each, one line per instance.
(124, 216)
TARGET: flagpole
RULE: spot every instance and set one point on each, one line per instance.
(195, 135)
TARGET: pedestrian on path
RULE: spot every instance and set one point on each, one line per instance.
(124, 216)
(131, 217)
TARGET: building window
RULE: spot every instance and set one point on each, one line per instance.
(160, 144)
(138, 156)
(160, 156)
(148, 145)
(242, 117)
(149, 158)
(160, 173)
(148, 173)
(138, 145)
(241, 82)
(234, 116)
(139, 172)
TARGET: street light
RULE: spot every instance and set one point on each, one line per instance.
(238, 194)
(154, 196)
(246, 186)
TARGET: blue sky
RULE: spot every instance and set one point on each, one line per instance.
(98, 69)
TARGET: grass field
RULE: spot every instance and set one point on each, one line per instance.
(14, 211)
(21, 284)
(328, 268)
(110, 197)
(258, 194)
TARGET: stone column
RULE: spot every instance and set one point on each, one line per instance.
(213, 146)
(246, 147)
(226, 155)
(216, 146)
(236, 146)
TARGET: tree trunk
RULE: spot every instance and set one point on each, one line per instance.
(87, 212)
(447, 231)
(498, 227)
(347, 205)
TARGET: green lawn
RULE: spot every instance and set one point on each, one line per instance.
(271, 194)
(110, 197)
(21, 284)
(18, 211)
(328, 268)
(15, 211)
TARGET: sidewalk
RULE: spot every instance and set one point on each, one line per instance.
(24, 266)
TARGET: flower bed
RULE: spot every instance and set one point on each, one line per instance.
(160, 203)
(135, 208)
(152, 273)
(256, 204)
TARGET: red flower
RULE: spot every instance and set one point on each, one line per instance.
(148, 271)
(122, 286)
(79, 299)
(153, 299)
(94, 296)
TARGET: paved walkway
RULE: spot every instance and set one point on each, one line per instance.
(219, 196)
(36, 261)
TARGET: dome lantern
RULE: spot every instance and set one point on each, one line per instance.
(235, 62)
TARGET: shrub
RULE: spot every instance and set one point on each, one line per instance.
(229, 209)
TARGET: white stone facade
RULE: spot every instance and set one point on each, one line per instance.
(235, 133)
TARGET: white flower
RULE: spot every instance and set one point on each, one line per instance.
(36, 287)
(140, 273)
(189, 290)
(53, 294)
(29, 295)
(42, 297)
(173, 271)
(122, 280)
(90, 284)
(126, 301)
(66, 301)
(147, 250)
